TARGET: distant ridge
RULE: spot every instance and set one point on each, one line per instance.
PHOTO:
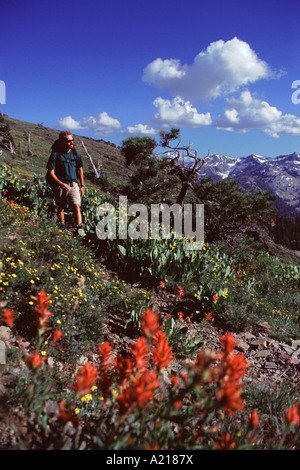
(279, 175)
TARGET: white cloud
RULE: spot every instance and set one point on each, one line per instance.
(179, 113)
(220, 69)
(161, 70)
(69, 123)
(141, 129)
(100, 124)
(247, 112)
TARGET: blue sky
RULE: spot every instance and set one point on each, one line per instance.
(221, 71)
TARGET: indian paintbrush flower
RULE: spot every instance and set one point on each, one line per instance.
(85, 379)
(8, 317)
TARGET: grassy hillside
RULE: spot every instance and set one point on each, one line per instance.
(41, 140)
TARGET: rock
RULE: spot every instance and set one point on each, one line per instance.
(2, 352)
(248, 336)
(242, 346)
(7, 336)
(50, 361)
(295, 357)
(82, 360)
(287, 348)
(257, 343)
(264, 353)
(264, 325)
(296, 343)
(284, 356)
(295, 360)
(270, 365)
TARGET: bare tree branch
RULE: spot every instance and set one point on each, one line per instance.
(97, 172)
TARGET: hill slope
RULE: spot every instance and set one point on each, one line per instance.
(41, 140)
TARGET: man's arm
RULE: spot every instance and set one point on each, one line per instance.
(57, 181)
(81, 179)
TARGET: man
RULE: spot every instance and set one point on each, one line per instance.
(65, 168)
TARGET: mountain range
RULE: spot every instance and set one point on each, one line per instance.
(279, 176)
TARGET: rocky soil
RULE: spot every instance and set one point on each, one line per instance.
(270, 361)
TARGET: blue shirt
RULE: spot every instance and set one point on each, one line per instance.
(65, 165)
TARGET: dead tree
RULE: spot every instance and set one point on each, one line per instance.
(184, 160)
(97, 171)
(30, 152)
(7, 140)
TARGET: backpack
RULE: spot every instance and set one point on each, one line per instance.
(49, 179)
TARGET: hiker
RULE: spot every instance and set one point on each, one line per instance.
(65, 168)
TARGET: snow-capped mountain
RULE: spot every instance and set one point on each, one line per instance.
(280, 176)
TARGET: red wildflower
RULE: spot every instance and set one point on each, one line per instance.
(127, 399)
(65, 415)
(180, 315)
(105, 354)
(145, 384)
(57, 335)
(225, 443)
(162, 354)
(124, 368)
(139, 392)
(175, 380)
(34, 360)
(292, 416)
(180, 292)
(8, 317)
(229, 397)
(254, 419)
(236, 367)
(85, 379)
(215, 298)
(151, 447)
(140, 352)
(209, 317)
(232, 369)
(42, 301)
(150, 322)
(228, 342)
(105, 379)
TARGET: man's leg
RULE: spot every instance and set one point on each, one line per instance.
(61, 216)
(61, 203)
(77, 213)
(75, 201)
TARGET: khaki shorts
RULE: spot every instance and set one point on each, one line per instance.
(63, 197)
